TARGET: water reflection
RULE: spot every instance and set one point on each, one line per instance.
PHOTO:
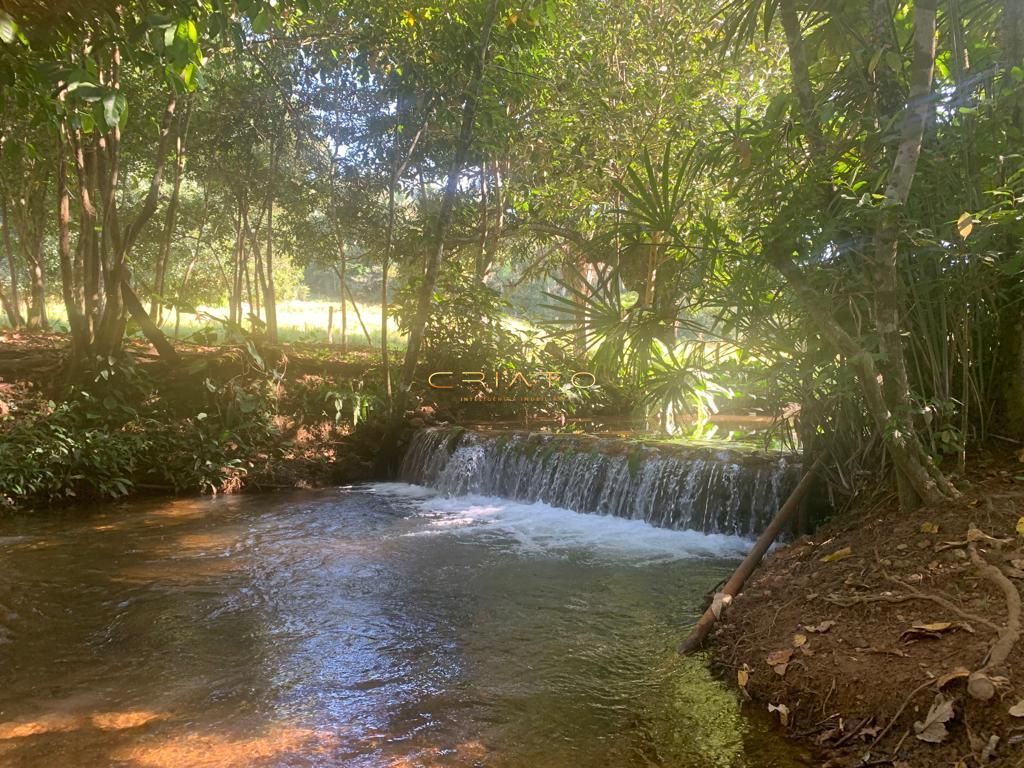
(328, 630)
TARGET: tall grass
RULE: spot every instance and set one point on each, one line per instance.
(298, 321)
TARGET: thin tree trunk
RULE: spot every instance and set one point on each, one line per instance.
(37, 281)
(14, 309)
(355, 307)
(914, 467)
(904, 447)
(800, 72)
(5, 304)
(120, 297)
(343, 258)
(444, 217)
(270, 295)
(739, 577)
(886, 293)
(70, 289)
(156, 308)
(1010, 386)
(235, 297)
(389, 240)
(481, 263)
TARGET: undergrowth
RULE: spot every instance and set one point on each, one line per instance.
(120, 431)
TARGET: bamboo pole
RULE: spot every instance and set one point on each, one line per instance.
(739, 578)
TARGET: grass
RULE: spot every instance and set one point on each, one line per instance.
(298, 321)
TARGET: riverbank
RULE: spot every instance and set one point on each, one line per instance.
(223, 420)
(860, 639)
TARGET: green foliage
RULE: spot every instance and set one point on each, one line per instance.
(119, 433)
(314, 398)
(466, 329)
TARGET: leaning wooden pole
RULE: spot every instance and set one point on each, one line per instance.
(735, 584)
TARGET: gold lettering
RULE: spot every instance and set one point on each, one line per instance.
(430, 380)
(519, 376)
(472, 373)
(575, 383)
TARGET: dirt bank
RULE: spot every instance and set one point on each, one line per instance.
(865, 633)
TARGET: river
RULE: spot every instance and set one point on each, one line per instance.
(381, 626)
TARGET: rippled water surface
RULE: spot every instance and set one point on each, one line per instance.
(366, 627)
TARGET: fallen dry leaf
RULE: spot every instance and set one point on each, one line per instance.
(989, 749)
(783, 711)
(1020, 527)
(845, 552)
(719, 603)
(869, 733)
(960, 673)
(742, 677)
(929, 528)
(779, 660)
(799, 640)
(820, 629)
(933, 728)
(933, 630)
(1017, 710)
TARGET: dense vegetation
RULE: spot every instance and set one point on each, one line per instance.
(810, 206)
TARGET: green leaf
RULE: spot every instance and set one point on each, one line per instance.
(261, 22)
(113, 108)
(187, 30)
(8, 29)
(894, 61)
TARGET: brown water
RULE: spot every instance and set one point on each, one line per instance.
(357, 628)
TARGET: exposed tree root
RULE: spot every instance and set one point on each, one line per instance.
(982, 684)
(850, 601)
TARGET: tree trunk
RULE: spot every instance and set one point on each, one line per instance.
(156, 307)
(37, 285)
(444, 216)
(118, 292)
(800, 73)
(481, 256)
(389, 242)
(342, 264)
(886, 295)
(235, 290)
(73, 300)
(270, 294)
(1010, 388)
(887, 403)
(14, 308)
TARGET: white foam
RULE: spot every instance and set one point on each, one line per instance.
(543, 529)
(403, 490)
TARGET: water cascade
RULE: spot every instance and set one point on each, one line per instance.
(672, 486)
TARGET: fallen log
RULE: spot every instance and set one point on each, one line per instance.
(735, 584)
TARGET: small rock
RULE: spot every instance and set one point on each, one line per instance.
(902, 547)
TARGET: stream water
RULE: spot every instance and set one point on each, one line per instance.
(381, 626)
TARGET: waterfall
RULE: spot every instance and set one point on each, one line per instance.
(671, 486)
